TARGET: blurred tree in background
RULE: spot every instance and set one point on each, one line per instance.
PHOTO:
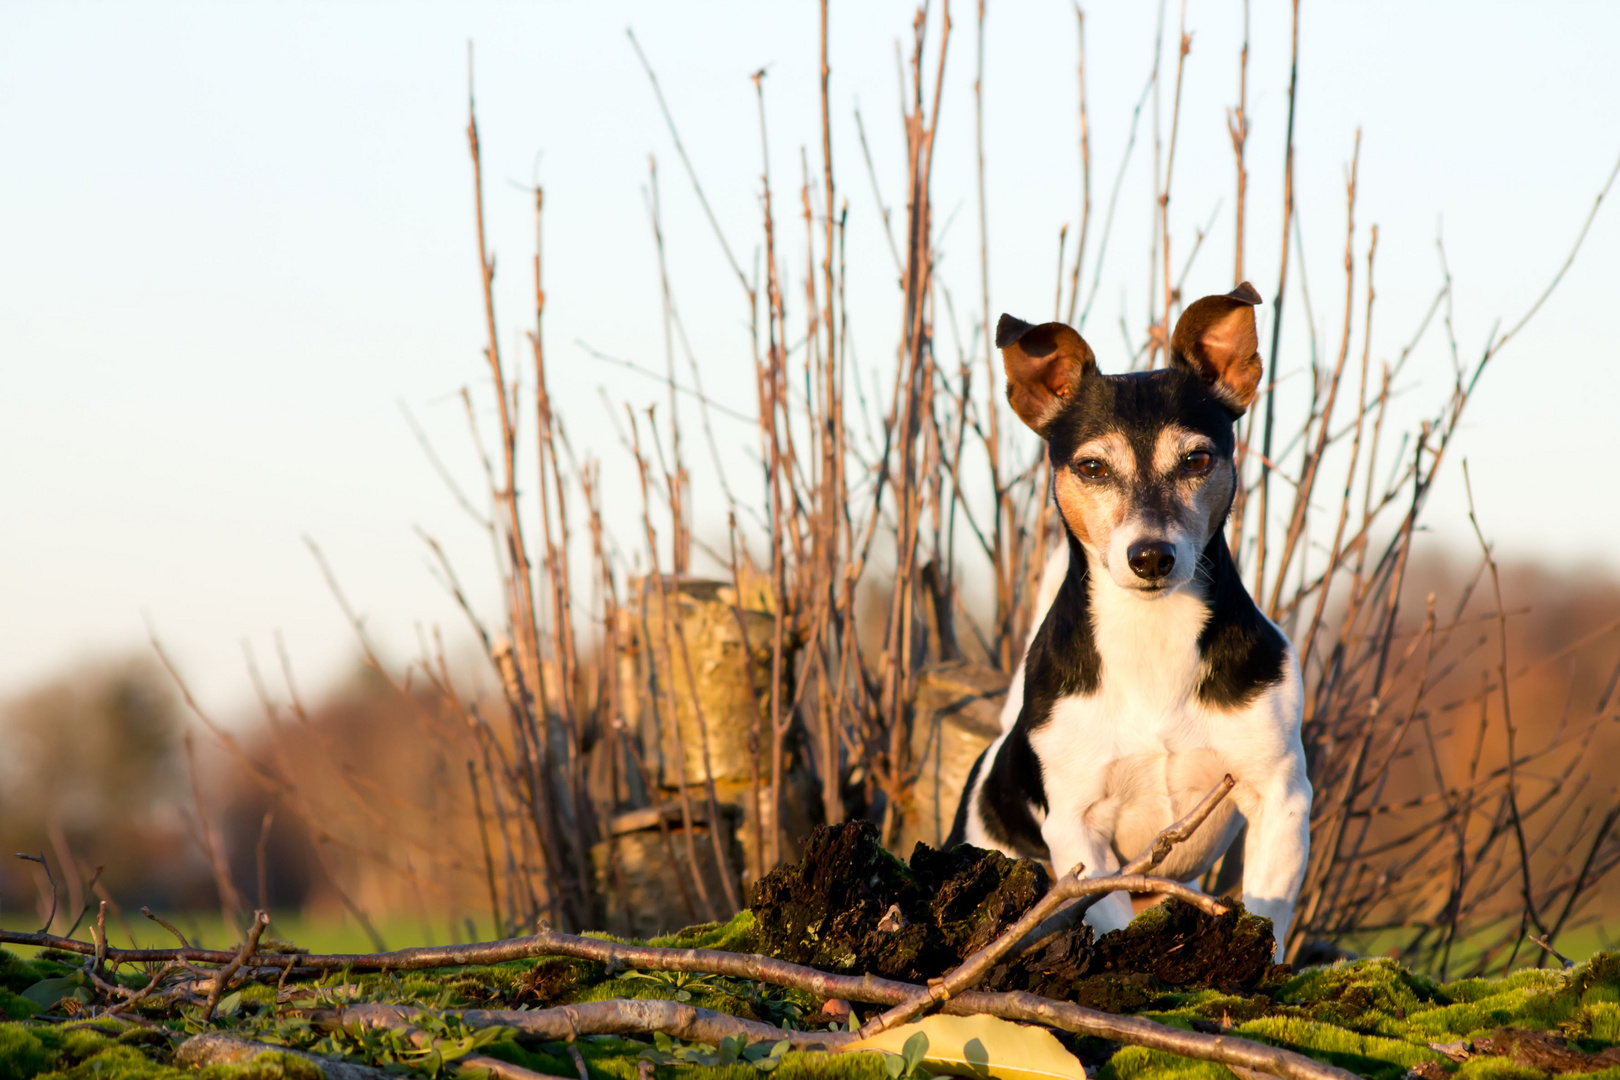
(91, 773)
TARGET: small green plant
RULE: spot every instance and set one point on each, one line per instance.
(680, 984)
(907, 1064)
(48, 993)
(733, 1050)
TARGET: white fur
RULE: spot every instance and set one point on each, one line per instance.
(1123, 763)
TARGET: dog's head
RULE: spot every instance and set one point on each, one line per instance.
(1141, 463)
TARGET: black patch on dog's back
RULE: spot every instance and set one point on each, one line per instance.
(959, 826)
(1011, 791)
(1063, 661)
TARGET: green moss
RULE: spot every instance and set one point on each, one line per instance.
(1378, 983)
(816, 1066)
(1492, 1068)
(1598, 979)
(1372, 1017)
(13, 1007)
(17, 974)
(22, 1053)
(81, 1043)
(610, 1057)
(811, 1066)
(736, 935)
(1601, 1024)
(270, 1065)
(1366, 1055)
(1138, 1063)
(1467, 1018)
(115, 1063)
(1532, 979)
(1582, 1002)
(82, 1053)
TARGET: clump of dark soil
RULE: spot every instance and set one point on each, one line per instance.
(849, 906)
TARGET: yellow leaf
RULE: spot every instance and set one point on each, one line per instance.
(982, 1047)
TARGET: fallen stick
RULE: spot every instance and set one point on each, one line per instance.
(1224, 1049)
(249, 947)
(399, 1018)
(135, 997)
(217, 1048)
(617, 1016)
(643, 1016)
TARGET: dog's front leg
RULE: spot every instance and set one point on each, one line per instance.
(1278, 806)
(1071, 843)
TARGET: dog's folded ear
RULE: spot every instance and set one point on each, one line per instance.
(1215, 339)
(1045, 364)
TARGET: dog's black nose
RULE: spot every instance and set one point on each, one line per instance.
(1151, 559)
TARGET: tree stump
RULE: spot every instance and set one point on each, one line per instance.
(957, 714)
(729, 716)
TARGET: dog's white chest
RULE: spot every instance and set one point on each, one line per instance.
(1150, 663)
(1130, 758)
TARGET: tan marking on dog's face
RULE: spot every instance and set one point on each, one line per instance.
(1175, 443)
(1092, 508)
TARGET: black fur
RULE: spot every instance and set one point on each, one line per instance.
(959, 825)
(1137, 406)
(1243, 651)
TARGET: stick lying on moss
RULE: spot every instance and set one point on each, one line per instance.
(217, 1048)
(400, 1018)
(616, 1016)
(1133, 1030)
(249, 947)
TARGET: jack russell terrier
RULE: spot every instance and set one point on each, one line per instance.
(1151, 673)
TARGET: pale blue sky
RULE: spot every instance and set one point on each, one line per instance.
(233, 235)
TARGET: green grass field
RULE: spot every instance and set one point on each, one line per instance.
(334, 932)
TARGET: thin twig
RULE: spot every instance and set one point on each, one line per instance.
(226, 974)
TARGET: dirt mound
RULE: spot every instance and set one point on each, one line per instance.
(849, 906)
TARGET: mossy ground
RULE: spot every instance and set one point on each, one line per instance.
(1173, 964)
(1372, 1017)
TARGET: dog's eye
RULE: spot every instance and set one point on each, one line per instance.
(1092, 469)
(1196, 462)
